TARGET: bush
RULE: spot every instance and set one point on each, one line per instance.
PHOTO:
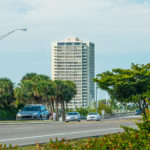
(8, 113)
(102, 106)
(82, 111)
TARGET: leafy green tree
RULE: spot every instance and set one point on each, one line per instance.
(82, 111)
(28, 76)
(27, 92)
(6, 91)
(65, 91)
(127, 85)
(69, 110)
(92, 107)
(102, 105)
(69, 91)
(46, 90)
(113, 104)
(57, 95)
(36, 88)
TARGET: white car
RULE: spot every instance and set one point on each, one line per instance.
(73, 116)
(93, 116)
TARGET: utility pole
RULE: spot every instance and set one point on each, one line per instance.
(96, 97)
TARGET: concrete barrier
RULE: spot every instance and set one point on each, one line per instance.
(118, 114)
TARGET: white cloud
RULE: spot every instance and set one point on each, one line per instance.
(92, 14)
(51, 18)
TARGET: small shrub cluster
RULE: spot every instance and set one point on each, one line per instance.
(10, 147)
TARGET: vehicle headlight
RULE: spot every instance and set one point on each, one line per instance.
(36, 113)
(18, 115)
(68, 117)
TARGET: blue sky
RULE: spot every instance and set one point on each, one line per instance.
(120, 30)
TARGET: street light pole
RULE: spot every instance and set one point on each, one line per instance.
(7, 34)
(96, 97)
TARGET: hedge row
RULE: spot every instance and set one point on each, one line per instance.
(120, 141)
(8, 113)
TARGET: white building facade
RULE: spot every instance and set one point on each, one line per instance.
(74, 60)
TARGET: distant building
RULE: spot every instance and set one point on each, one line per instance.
(73, 59)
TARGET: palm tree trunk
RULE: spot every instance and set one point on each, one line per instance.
(57, 109)
(53, 104)
(63, 111)
(50, 107)
(66, 105)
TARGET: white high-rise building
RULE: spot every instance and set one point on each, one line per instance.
(73, 59)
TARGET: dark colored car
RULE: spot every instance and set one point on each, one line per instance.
(33, 112)
(138, 112)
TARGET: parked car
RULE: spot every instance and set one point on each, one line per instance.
(73, 116)
(33, 112)
(93, 116)
(138, 112)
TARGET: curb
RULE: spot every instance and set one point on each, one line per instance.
(20, 123)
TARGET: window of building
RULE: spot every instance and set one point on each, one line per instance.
(77, 43)
(61, 43)
(69, 43)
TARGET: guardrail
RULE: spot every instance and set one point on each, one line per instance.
(118, 114)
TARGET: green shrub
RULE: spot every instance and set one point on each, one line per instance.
(8, 113)
(82, 111)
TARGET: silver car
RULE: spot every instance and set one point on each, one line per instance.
(93, 116)
(33, 112)
(73, 116)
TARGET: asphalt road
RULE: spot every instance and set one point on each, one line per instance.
(26, 134)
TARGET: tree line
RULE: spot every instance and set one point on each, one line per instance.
(123, 85)
(127, 85)
(38, 89)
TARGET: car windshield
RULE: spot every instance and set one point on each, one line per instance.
(92, 113)
(72, 113)
(31, 108)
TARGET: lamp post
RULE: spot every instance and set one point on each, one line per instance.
(96, 97)
(7, 34)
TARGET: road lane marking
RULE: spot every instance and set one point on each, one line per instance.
(70, 125)
(23, 128)
(56, 134)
